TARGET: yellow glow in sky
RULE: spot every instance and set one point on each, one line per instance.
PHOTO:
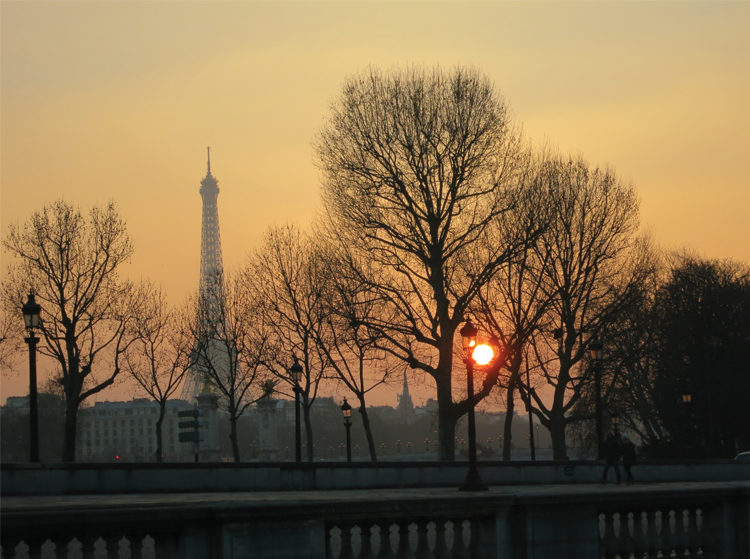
(118, 100)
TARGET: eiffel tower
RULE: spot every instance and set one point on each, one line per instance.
(211, 263)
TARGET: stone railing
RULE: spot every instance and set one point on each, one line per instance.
(70, 479)
(708, 519)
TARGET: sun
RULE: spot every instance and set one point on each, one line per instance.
(482, 354)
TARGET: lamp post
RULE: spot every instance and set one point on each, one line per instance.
(597, 348)
(346, 409)
(31, 311)
(296, 372)
(473, 481)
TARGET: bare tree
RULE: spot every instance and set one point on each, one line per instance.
(591, 266)
(286, 278)
(229, 346)
(72, 263)
(417, 166)
(159, 359)
(349, 346)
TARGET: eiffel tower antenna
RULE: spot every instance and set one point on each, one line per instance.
(211, 261)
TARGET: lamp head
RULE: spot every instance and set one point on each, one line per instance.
(597, 348)
(31, 311)
(296, 371)
(346, 409)
(469, 335)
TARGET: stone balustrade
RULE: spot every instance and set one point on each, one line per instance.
(695, 519)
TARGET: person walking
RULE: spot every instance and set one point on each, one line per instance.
(628, 457)
(612, 451)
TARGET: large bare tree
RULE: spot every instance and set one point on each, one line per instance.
(591, 264)
(71, 262)
(159, 359)
(418, 165)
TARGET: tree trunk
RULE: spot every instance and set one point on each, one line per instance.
(71, 425)
(510, 406)
(159, 422)
(308, 431)
(233, 437)
(557, 431)
(368, 429)
(446, 421)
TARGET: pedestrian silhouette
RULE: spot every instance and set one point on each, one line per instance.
(628, 457)
(612, 451)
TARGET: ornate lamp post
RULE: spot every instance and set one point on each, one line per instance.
(296, 372)
(473, 481)
(31, 311)
(597, 349)
(346, 409)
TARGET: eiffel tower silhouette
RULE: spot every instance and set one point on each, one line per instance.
(211, 265)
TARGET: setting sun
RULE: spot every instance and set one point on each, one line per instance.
(482, 354)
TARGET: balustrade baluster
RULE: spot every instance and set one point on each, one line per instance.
(682, 542)
(423, 545)
(460, 550)
(640, 534)
(654, 536)
(404, 545)
(667, 533)
(441, 550)
(386, 542)
(694, 535)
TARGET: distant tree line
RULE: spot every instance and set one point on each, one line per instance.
(435, 209)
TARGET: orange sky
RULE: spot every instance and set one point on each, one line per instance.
(117, 100)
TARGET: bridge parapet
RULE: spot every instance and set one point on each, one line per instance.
(707, 519)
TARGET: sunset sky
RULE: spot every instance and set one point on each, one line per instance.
(118, 100)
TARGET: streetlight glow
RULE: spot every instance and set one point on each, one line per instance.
(482, 354)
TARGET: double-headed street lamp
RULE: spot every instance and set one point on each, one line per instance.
(296, 372)
(31, 313)
(597, 349)
(473, 481)
(346, 409)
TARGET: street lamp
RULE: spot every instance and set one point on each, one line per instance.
(597, 349)
(346, 409)
(687, 398)
(296, 372)
(473, 481)
(31, 311)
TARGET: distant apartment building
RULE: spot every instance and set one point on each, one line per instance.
(126, 431)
